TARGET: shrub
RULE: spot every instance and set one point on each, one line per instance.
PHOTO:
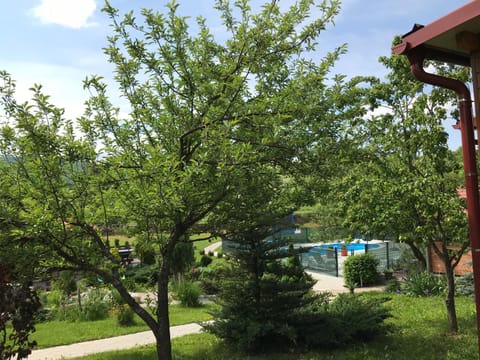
(65, 283)
(322, 325)
(57, 302)
(210, 277)
(120, 310)
(146, 275)
(95, 306)
(359, 318)
(464, 285)
(188, 293)
(347, 319)
(124, 315)
(393, 286)
(219, 255)
(424, 284)
(145, 250)
(55, 298)
(183, 258)
(361, 270)
(205, 260)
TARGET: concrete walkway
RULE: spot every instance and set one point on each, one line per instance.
(335, 285)
(212, 247)
(116, 343)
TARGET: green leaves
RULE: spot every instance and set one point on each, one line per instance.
(406, 183)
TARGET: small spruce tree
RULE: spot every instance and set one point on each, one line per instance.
(262, 293)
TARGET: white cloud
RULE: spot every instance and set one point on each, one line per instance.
(70, 13)
(62, 83)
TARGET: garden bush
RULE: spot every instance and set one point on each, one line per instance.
(188, 293)
(464, 285)
(424, 284)
(95, 306)
(210, 277)
(124, 315)
(205, 260)
(144, 250)
(145, 275)
(345, 320)
(323, 325)
(58, 304)
(65, 283)
(360, 318)
(54, 299)
(393, 286)
(120, 310)
(19, 305)
(361, 270)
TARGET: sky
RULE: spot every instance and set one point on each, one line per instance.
(57, 43)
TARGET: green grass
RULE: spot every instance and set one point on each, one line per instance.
(121, 238)
(418, 332)
(202, 244)
(53, 333)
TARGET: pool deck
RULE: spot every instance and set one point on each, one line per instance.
(335, 285)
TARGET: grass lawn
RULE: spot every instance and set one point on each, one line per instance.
(418, 332)
(122, 239)
(202, 244)
(53, 333)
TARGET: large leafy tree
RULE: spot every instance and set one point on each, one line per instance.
(203, 119)
(405, 184)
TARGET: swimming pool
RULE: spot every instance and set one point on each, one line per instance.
(350, 247)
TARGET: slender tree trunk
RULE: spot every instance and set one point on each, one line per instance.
(79, 298)
(164, 347)
(444, 256)
(450, 299)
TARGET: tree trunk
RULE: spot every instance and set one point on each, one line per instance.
(164, 347)
(450, 299)
(79, 298)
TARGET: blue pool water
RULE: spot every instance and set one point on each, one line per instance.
(350, 247)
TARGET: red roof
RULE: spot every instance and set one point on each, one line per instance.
(439, 38)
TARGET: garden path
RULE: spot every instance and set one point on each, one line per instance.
(212, 247)
(115, 343)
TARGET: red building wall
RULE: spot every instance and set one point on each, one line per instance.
(436, 265)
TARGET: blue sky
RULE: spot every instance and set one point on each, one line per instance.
(57, 43)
